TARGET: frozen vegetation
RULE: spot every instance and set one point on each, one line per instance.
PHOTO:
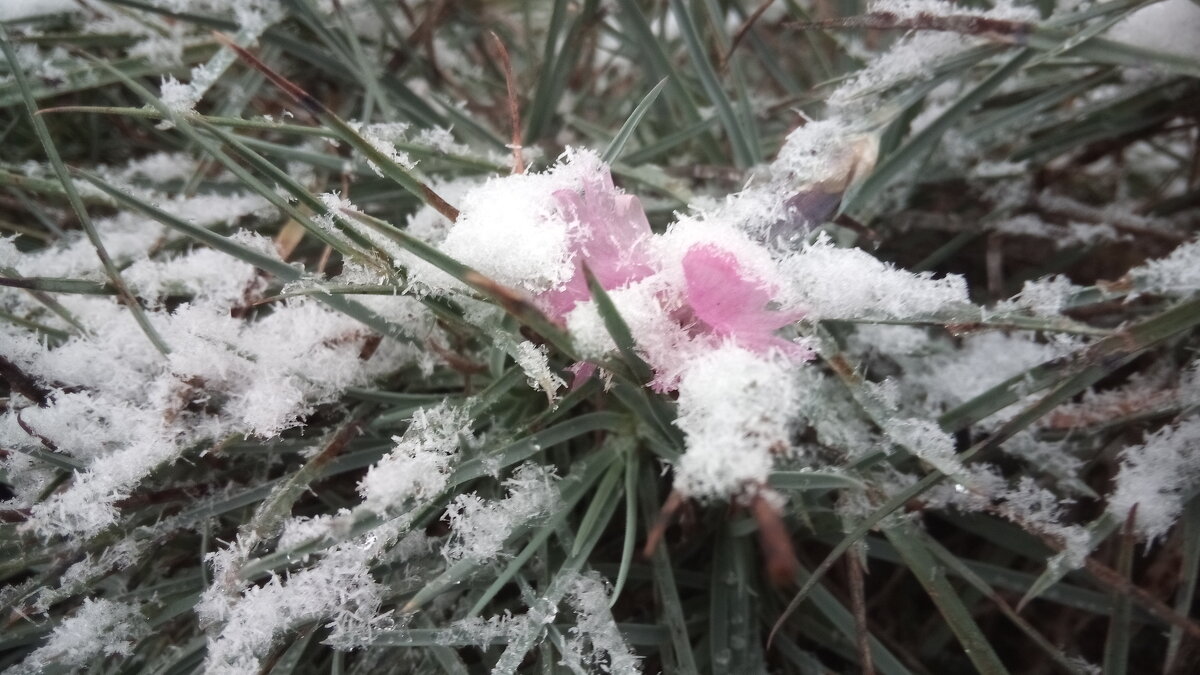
(599, 337)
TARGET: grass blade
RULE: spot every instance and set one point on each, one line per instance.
(613, 152)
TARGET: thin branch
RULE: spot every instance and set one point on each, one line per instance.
(741, 32)
(1014, 32)
(514, 112)
(858, 604)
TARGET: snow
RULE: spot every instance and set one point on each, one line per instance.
(100, 627)
(1156, 476)
(533, 360)
(121, 408)
(383, 138)
(419, 465)
(735, 409)
(1042, 297)
(985, 360)
(1170, 26)
(925, 439)
(16, 10)
(848, 283)
(480, 527)
(339, 590)
(522, 208)
(595, 643)
(1176, 274)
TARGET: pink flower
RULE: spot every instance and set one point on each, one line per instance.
(609, 234)
(731, 303)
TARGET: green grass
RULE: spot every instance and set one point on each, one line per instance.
(655, 87)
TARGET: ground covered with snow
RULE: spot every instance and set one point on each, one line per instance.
(616, 337)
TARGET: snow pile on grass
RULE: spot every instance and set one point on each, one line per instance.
(98, 628)
(735, 409)
(1156, 476)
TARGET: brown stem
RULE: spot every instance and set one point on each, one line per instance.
(778, 553)
(858, 604)
(514, 113)
(741, 32)
(23, 383)
(965, 24)
(665, 515)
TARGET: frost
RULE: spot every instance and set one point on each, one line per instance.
(479, 527)
(914, 56)
(209, 276)
(925, 439)
(418, 466)
(383, 138)
(595, 643)
(177, 96)
(841, 283)
(735, 409)
(1043, 297)
(984, 361)
(1178, 273)
(1170, 26)
(1063, 236)
(99, 627)
(1156, 476)
(1040, 510)
(532, 359)
(338, 589)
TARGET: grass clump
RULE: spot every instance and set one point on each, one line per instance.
(582, 337)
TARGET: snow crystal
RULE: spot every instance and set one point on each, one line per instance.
(383, 138)
(985, 360)
(208, 276)
(533, 360)
(846, 283)
(418, 466)
(1169, 26)
(1155, 476)
(479, 528)
(100, 627)
(595, 643)
(1043, 297)
(735, 409)
(1038, 509)
(646, 307)
(925, 439)
(339, 588)
(1178, 273)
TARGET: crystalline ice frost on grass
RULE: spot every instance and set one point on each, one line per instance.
(985, 360)
(1177, 273)
(925, 439)
(595, 642)
(848, 283)
(338, 588)
(383, 138)
(99, 627)
(735, 410)
(419, 464)
(533, 360)
(479, 527)
(207, 275)
(1155, 475)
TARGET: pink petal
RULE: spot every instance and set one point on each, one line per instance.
(731, 303)
(582, 371)
(610, 235)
